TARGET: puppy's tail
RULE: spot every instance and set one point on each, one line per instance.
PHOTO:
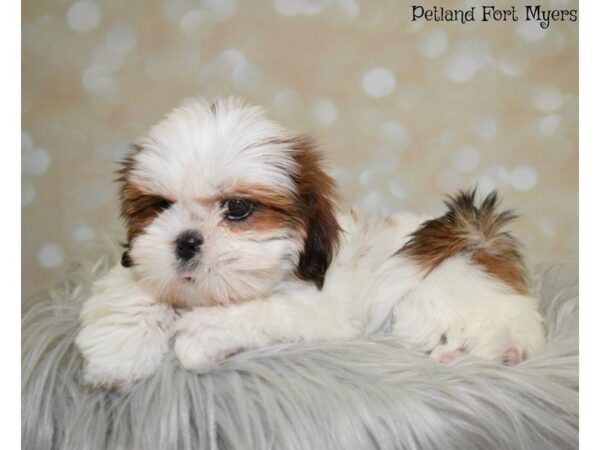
(478, 232)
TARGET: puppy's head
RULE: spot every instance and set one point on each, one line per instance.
(222, 204)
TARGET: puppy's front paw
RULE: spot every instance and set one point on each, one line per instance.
(124, 333)
(195, 352)
(119, 354)
(204, 337)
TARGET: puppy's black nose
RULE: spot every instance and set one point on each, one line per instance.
(188, 244)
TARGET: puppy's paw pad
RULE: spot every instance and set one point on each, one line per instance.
(448, 357)
(512, 355)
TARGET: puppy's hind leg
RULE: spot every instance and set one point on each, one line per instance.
(459, 309)
(474, 296)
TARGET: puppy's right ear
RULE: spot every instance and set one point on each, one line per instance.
(125, 197)
(137, 207)
(128, 192)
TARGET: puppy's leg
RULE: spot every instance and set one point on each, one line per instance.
(208, 334)
(460, 309)
(507, 331)
(124, 331)
(474, 296)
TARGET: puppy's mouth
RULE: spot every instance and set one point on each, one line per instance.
(188, 276)
(187, 272)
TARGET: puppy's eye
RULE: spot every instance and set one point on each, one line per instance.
(238, 208)
(162, 204)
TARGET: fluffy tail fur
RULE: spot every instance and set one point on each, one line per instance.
(473, 230)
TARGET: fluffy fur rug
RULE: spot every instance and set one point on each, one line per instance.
(353, 395)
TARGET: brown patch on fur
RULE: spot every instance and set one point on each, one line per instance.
(274, 209)
(316, 201)
(477, 231)
(263, 195)
(263, 219)
(138, 208)
(507, 270)
(213, 108)
(311, 210)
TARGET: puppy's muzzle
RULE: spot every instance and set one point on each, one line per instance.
(187, 245)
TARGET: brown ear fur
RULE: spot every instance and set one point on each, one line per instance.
(316, 197)
(137, 208)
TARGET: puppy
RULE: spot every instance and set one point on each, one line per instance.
(234, 242)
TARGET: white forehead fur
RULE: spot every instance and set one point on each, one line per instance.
(200, 149)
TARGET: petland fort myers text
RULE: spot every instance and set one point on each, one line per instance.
(530, 13)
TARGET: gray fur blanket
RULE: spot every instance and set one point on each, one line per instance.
(364, 394)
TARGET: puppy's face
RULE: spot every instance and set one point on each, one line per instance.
(221, 205)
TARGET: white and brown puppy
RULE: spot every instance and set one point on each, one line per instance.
(234, 242)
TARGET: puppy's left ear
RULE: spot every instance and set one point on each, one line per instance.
(317, 195)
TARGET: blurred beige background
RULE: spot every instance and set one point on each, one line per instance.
(405, 111)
